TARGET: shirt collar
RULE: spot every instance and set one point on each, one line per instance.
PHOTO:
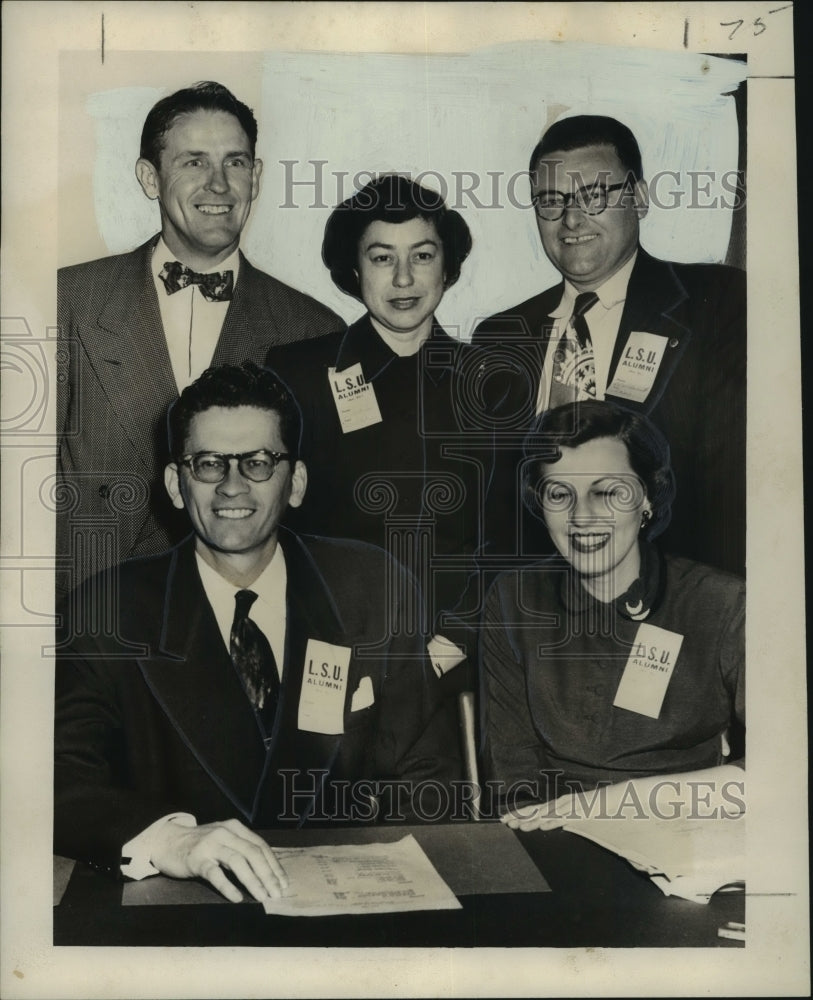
(642, 597)
(269, 586)
(161, 254)
(362, 343)
(613, 291)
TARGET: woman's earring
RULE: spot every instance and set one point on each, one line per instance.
(646, 517)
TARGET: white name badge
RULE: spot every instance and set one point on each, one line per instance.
(638, 366)
(324, 682)
(354, 397)
(648, 671)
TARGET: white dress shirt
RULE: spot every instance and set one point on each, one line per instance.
(267, 612)
(603, 321)
(191, 324)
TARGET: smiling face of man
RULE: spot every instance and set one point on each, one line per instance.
(205, 183)
(589, 249)
(236, 520)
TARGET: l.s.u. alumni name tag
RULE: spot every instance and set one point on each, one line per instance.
(648, 671)
(638, 366)
(354, 397)
(324, 683)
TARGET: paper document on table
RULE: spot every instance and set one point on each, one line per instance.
(691, 858)
(360, 878)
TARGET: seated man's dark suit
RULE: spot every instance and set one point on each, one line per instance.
(115, 383)
(157, 721)
(698, 400)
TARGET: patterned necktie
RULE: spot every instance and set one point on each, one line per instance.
(574, 367)
(216, 287)
(253, 659)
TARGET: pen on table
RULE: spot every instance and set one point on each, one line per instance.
(732, 930)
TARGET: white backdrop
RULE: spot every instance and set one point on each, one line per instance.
(468, 122)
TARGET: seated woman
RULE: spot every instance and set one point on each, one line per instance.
(388, 465)
(614, 664)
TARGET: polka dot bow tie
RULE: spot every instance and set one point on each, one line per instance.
(216, 287)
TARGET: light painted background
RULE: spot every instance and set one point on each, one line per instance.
(467, 121)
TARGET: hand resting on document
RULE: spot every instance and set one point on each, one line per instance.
(204, 851)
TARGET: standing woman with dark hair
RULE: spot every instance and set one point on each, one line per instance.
(612, 663)
(384, 397)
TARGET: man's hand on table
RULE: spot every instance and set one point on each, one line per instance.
(204, 851)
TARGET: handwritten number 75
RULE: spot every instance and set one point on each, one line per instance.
(757, 24)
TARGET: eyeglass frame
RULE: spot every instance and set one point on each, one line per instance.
(276, 456)
(572, 199)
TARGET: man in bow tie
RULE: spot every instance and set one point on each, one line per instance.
(136, 328)
(254, 678)
(663, 338)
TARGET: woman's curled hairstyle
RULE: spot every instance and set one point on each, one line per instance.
(576, 423)
(390, 198)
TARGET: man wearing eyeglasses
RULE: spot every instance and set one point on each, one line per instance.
(252, 678)
(666, 339)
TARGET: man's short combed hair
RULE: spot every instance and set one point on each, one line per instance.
(590, 130)
(231, 386)
(204, 96)
(390, 198)
(573, 424)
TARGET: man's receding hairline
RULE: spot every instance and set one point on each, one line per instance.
(553, 154)
(162, 138)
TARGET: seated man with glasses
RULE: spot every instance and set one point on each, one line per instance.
(247, 678)
(660, 338)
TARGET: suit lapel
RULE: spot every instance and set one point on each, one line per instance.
(311, 614)
(128, 350)
(250, 327)
(361, 343)
(654, 297)
(130, 353)
(539, 319)
(541, 323)
(194, 682)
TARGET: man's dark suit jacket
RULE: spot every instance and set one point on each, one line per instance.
(698, 400)
(155, 719)
(412, 469)
(114, 386)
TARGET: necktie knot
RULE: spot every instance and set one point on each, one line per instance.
(243, 600)
(584, 301)
(215, 287)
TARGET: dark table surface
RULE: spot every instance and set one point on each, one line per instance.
(596, 899)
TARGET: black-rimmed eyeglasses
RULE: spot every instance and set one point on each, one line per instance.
(213, 466)
(552, 205)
